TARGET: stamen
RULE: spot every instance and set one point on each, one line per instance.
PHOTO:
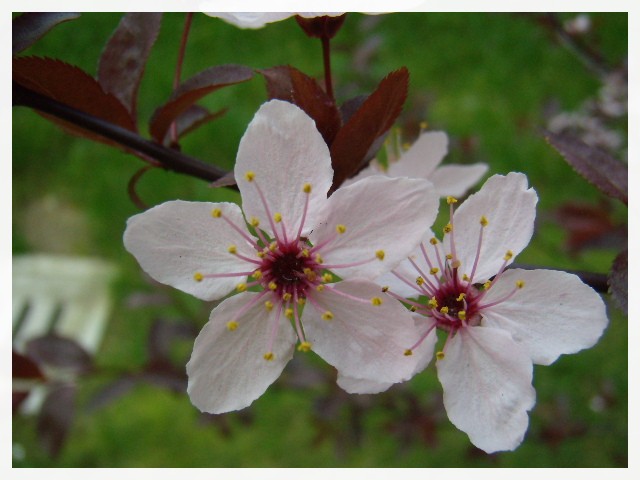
(376, 301)
(232, 325)
(410, 350)
(483, 222)
(198, 277)
(341, 229)
(380, 254)
(274, 331)
(306, 188)
(327, 315)
(304, 347)
(413, 285)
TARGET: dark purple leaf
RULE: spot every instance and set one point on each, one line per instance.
(351, 106)
(372, 120)
(124, 58)
(618, 280)
(278, 82)
(28, 28)
(24, 367)
(17, 399)
(169, 378)
(192, 118)
(162, 335)
(112, 392)
(60, 352)
(74, 87)
(56, 417)
(193, 90)
(598, 167)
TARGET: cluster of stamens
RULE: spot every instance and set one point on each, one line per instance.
(446, 295)
(285, 271)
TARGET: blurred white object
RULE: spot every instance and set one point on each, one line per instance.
(65, 295)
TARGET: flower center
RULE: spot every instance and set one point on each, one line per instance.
(288, 268)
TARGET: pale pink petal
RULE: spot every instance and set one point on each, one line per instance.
(368, 171)
(422, 356)
(227, 370)
(510, 207)
(285, 151)
(554, 314)
(456, 180)
(361, 340)
(176, 239)
(250, 19)
(380, 214)
(486, 378)
(422, 158)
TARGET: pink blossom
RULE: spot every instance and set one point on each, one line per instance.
(278, 253)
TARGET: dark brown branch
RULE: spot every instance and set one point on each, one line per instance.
(168, 158)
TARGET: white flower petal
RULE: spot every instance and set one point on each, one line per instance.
(554, 314)
(510, 208)
(227, 370)
(456, 180)
(422, 158)
(394, 226)
(368, 171)
(422, 354)
(176, 239)
(260, 19)
(361, 340)
(285, 151)
(486, 378)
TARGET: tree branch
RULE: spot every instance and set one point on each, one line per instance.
(168, 158)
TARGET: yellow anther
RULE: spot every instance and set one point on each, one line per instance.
(288, 312)
(310, 274)
(487, 284)
(376, 301)
(341, 228)
(261, 254)
(448, 256)
(444, 310)
(319, 258)
(461, 297)
(269, 356)
(433, 241)
(249, 176)
(216, 213)
(302, 301)
(305, 252)
(231, 326)
(306, 188)
(327, 277)
(451, 200)
(277, 217)
(465, 277)
(304, 347)
(434, 271)
(241, 287)
(408, 352)
(456, 264)
(257, 274)
(254, 222)
(198, 277)
(273, 286)
(327, 315)
(462, 315)
(385, 289)
(448, 228)
(380, 254)
(433, 303)
(483, 221)
(520, 283)
(420, 281)
(508, 255)
(273, 246)
(424, 125)
(268, 305)
(413, 308)
(286, 297)
(440, 355)
(232, 249)
(320, 287)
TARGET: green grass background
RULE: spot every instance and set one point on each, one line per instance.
(486, 79)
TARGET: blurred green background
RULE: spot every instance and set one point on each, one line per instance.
(492, 81)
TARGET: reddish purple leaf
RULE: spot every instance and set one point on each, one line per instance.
(61, 352)
(124, 58)
(278, 80)
(28, 28)
(619, 280)
(321, 27)
(56, 417)
(70, 85)
(598, 167)
(23, 367)
(373, 119)
(193, 90)
(192, 118)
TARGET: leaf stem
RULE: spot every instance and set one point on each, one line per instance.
(326, 56)
(178, 74)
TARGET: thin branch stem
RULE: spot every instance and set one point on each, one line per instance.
(178, 74)
(168, 158)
